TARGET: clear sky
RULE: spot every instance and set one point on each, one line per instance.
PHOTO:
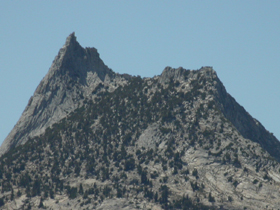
(240, 39)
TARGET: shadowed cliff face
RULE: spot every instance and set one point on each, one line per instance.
(74, 73)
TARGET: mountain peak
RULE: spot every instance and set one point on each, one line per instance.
(75, 61)
(71, 39)
(71, 47)
(71, 44)
(181, 73)
(75, 71)
(171, 73)
(94, 139)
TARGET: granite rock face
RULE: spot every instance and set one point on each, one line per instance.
(74, 74)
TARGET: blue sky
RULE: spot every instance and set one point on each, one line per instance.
(240, 39)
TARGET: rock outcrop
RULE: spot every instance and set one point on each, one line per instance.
(74, 74)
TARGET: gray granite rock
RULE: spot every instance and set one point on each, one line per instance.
(73, 75)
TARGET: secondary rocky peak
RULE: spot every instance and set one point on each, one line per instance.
(171, 73)
(208, 71)
(183, 74)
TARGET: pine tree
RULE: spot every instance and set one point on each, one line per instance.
(12, 194)
(41, 205)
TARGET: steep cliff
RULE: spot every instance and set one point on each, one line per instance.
(74, 74)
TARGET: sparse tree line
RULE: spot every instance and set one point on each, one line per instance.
(109, 152)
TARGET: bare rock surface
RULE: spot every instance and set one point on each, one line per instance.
(74, 74)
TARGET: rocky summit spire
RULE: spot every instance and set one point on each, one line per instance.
(72, 59)
(74, 73)
(71, 39)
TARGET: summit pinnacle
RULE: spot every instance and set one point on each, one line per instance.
(73, 75)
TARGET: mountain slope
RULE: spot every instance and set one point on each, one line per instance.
(74, 74)
(174, 141)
